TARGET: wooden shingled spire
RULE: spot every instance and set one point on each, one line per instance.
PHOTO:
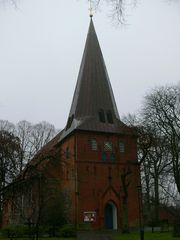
(93, 107)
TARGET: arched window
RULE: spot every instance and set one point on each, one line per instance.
(102, 116)
(110, 117)
(67, 153)
(94, 145)
(121, 147)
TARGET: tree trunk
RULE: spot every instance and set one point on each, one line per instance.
(125, 222)
(156, 199)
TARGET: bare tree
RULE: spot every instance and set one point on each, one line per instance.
(9, 160)
(35, 197)
(162, 111)
(33, 138)
(41, 134)
(125, 181)
(23, 131)
(14, 3)
(9, 157)
(156, 165)
(116, 7)
(7, 126)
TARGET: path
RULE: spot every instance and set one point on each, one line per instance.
(93, 236)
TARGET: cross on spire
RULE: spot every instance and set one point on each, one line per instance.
(90, 9)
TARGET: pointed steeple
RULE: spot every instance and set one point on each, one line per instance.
(93, 107)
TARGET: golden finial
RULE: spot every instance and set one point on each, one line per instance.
(90, 9)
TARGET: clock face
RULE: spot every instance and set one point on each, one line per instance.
(107, 146)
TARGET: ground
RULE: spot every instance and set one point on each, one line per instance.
(115, 236)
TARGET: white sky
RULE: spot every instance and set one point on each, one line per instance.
(42, 42)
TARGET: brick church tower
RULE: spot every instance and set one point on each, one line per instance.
(100, 153)
(95, 159)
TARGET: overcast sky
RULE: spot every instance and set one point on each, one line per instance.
(41, 46)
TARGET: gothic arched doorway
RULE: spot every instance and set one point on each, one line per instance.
(110, 214)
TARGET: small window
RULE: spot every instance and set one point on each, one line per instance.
(67, 153)
(110, 117)
(94, 145)
(107, 146)
(121, 147)
(102, 116)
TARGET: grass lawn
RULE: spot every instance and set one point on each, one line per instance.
(119, 236)
(46, 238)
(147, 236)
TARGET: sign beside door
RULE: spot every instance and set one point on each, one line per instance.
(90, 216)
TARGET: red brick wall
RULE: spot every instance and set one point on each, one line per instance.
(91, 182)
(98, 181)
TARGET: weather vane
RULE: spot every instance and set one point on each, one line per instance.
(90, 9)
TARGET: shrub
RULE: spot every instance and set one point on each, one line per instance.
(12, 231)
(68, 230)
(84, 226)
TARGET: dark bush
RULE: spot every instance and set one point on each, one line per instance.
(68, 230)
(84, 226)
(13, 231)
(176, 229)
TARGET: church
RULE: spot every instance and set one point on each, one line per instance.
(94, 157)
